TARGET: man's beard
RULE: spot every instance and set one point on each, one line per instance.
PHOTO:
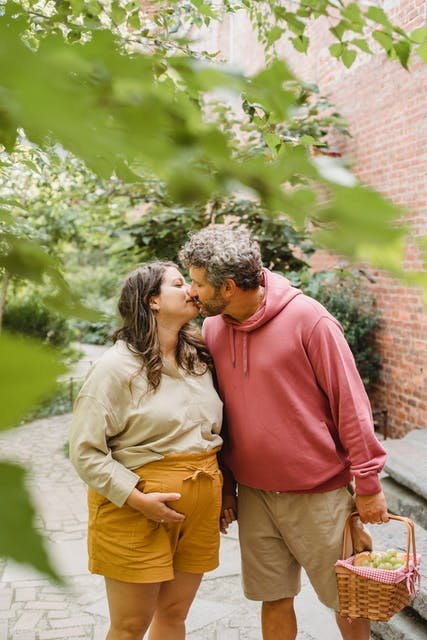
(212, 307)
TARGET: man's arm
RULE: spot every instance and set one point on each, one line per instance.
(337, 375)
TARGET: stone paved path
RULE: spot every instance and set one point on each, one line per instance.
(31, 608)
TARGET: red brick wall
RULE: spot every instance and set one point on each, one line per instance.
(387, 110)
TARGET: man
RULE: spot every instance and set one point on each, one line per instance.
(299, 426)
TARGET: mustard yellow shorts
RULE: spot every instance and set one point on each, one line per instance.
(282, 532)
(123, 544)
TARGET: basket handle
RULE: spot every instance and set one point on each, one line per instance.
(410, 541)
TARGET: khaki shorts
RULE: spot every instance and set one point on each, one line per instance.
(125, 545)
(282, 532)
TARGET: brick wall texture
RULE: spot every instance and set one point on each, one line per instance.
(386, 108)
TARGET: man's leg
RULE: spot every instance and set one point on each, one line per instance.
(278, 620)
(269, 570)
(354, 630)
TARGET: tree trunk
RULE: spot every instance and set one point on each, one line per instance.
(3, 293)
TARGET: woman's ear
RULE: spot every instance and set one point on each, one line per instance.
(154, 304)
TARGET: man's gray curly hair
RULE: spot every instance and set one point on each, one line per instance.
(225, 252)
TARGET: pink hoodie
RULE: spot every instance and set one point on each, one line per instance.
(299, 419)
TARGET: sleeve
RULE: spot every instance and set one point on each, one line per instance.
(91, 426)
(338, 377)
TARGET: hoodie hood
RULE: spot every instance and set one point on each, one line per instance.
(278, 292)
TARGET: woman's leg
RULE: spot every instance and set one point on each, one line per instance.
(174, 601)
(131, 608)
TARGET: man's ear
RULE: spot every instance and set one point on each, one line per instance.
(228, 288)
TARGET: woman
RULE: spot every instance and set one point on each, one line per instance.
(144, 437)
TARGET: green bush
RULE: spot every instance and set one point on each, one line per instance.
(95, 332)
(60, 400)
(347, 298)
(27, 315)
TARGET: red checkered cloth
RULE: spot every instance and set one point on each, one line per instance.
(411, 575)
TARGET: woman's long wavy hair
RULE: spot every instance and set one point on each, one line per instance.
(139, 329)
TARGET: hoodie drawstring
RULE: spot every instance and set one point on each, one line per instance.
(245, 353)
(232, 346)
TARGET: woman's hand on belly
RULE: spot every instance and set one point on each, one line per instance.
(153, 505)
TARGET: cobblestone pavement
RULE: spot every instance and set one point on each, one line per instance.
(32, 608)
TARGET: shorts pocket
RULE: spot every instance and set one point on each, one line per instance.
(339, 501)
(173, 484)
(150, 486)
(95, 499)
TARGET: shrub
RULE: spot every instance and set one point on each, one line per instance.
(95, 332)
(60, 400)
(27, 315)
(347, 298)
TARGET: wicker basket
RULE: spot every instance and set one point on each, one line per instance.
(365, 597)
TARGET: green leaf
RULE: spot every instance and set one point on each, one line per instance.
(301, 43)
(339, 29)
(190, 186)
(204, 8)
(419, 35)
(403, 50)
(385, 40)
(376, 14)
(336, 49)
(18, 538)
(77, 6)
(74, 35)
(401, 32)
(348, 57)
(422, 51)
(28, 370)
(135, 21)
(25, 259)
(118, 14)
(352, 13)
(93, 7)
(267, 89)
(362, 44)
(294, 25)
(8, 132)
(364, 226)
(67, 304)
(272, 140)
(274, 34)
(306, 139)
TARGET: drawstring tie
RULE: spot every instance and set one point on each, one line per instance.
(197, 471)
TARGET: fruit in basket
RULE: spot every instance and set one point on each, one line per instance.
(389, 560)
(363, 559)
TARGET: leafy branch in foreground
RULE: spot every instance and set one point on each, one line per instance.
(356, 29)
(28, 371)
(167, 26)
(128, 114)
